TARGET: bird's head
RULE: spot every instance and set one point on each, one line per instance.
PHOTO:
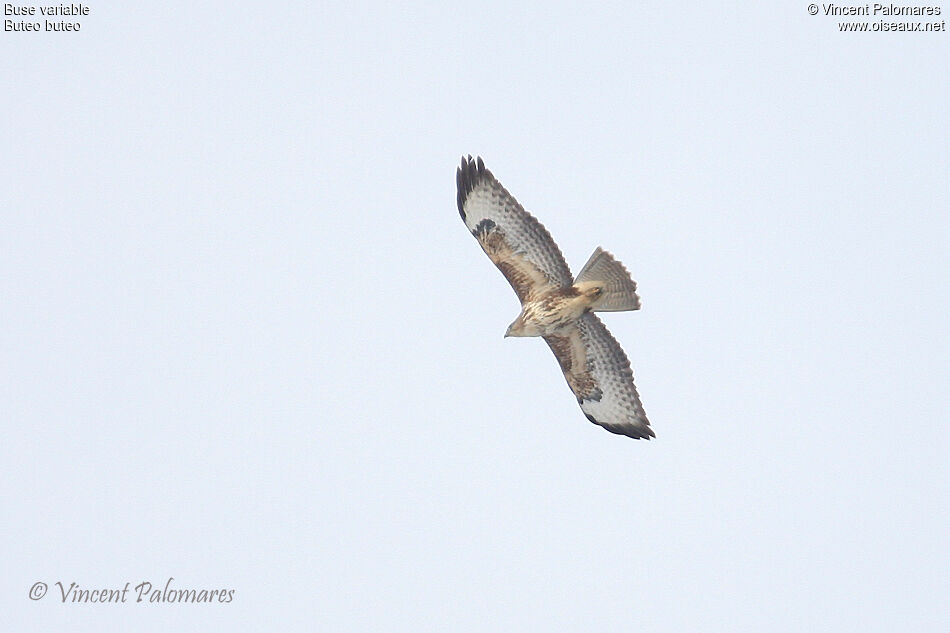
(518, 328)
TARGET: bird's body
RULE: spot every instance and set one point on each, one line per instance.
(556, 306)
(553, 312)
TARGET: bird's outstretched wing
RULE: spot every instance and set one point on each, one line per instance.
(599, 374)
(511, 237)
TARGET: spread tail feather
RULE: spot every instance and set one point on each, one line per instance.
(619, 290)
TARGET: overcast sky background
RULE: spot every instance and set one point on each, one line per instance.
(248, 343)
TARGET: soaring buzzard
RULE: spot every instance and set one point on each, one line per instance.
(556, 306)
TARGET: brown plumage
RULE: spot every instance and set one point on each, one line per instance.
(556, 306)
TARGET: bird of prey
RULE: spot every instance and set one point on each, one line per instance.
(556, 306)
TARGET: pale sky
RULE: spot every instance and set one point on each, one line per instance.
(248, 344)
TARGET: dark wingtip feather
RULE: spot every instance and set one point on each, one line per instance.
(637, 432)
(466, 177)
